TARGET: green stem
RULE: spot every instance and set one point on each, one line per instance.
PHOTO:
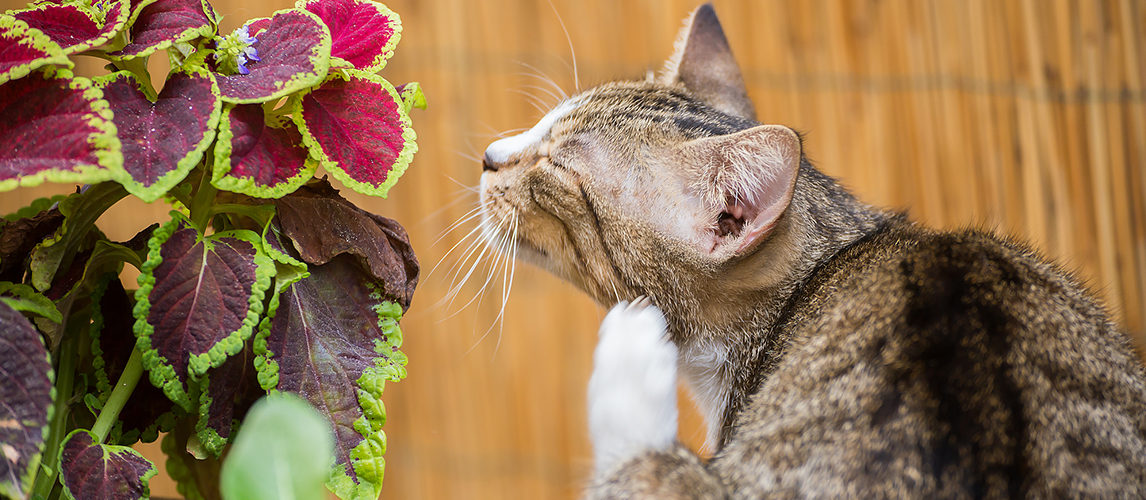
(138, 67)
(204, 198)
(65, 377)
(123, 388)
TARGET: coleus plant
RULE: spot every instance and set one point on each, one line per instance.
(263, 280)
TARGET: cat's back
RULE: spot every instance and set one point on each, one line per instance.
(956, 364)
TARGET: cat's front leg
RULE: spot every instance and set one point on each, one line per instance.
(632, 393)
(633, 413)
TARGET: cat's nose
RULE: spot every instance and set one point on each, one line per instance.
(487, 164)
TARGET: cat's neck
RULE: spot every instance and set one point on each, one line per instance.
(723, 341)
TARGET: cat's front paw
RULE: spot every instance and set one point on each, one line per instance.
(632, 393)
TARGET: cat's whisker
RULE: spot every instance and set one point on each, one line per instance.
(541, 75)
(573, 53)
(534, 101)
(451, 250)
(548, 92)
(471, 215)
(459, 197)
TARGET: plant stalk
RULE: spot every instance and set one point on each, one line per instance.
(204, 197)
(119, 396)
(65, 378)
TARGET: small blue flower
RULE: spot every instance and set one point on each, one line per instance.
(234, 51)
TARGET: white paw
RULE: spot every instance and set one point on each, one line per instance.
(632, 393)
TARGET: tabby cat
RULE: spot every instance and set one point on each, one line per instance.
(836, 350)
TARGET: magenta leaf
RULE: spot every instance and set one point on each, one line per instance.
(324, 225)
(163, 23)
(57, 128)
(358, 129)
(198, 302)
(363, 33)
(94, 471)
(26, 395)
(228, 392)
(165, 139)
(256, 158)
(24, 49)
(294, 53)
(74, 28)
(338, 359)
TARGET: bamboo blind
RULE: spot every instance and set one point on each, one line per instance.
(1024, 116)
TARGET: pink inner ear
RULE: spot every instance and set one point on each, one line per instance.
(769, 213)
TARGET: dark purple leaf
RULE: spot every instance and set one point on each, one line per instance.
(57, 128)
(228, 392)
(25, 401)
(164, 23)
(94, 471)
(257, 159)
(165, 139)
(294, 52)
(359, 130)
(363, 33)
(17, 239)
(324, 225)
(23, 49)
(198, 301)
(71, 27)
(334, 340)
(112, 344)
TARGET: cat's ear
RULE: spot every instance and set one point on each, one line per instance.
(703, 62)
(744, 183)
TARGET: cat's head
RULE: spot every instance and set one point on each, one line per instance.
(660, 187)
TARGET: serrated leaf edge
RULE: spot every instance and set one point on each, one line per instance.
(386, 52)
(108, 449)
(173, 177)
(303, 80)
(246, 185)
(409, 138)
(105, 140)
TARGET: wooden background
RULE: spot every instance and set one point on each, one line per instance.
(1028, 117)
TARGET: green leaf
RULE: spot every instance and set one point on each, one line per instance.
(80, 213)
(283, 452)
(24, 298)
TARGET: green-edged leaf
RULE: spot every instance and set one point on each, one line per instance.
(412, 96)
(259, 159)
(163, 23)
(358, 129)
(294, 53)
(198, 301)
(228, 392)
(364, 33)
(24, 49)
(148, 409)
(165, 139)
(24, 298)
(57, 128)
(93, 471)
(338, 359)
(323, 225)
(27, 393)
(73, 28)
(80, 213)
(283, 452)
